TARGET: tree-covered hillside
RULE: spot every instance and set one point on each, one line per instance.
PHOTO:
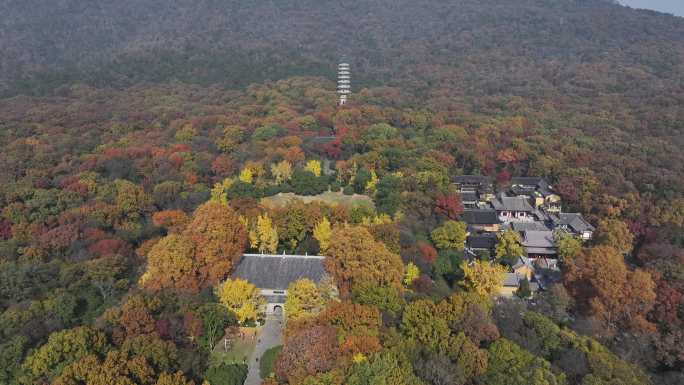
(148, 144)
(104, 223)
(467, 46)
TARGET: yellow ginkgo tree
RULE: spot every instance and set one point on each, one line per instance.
(219, 193)
(264, 236)
(483, 278)
(246, 175)
(241, 298)
(313, 166)
(304, 299)
(322, 233)
(411, 274)
(281, 171)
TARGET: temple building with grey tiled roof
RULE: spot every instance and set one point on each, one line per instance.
(273, 273)
(513, 208)
(574, 224)
(539, 244)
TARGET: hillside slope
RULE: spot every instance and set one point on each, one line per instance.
(524, 47)
(140, 137)
(592, 67)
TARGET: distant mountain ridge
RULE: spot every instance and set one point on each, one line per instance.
(415, 44)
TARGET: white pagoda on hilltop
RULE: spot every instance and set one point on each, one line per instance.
(343, 82)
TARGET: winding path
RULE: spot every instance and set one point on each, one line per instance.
(271, 335)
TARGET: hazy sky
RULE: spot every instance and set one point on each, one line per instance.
(675, 7)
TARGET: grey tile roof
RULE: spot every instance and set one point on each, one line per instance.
(473, 179)
(513, 280)
(277, 271)
(541, 215)
(481, 241)
(538, 239)
(480, 217)
(505, 203)
(520, 190)
(468, 196)
(529, 226)
(526, 181)
(573, 220)
(529, 184)
(539, 242)
(531, 250)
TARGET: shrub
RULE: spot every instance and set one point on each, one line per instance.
(227, 374)
(360, 211)
(524, 290)
(363, 176)
(335, 186)
(267, 361)
(241, 189)
(306, 183)
(272, 190)
(249, 323)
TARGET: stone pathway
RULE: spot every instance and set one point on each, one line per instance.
(271, 335)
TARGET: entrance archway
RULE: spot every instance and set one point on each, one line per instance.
(278, 311)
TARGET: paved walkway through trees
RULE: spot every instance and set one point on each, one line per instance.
(271, 335)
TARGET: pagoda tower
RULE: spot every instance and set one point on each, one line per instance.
(343, 82)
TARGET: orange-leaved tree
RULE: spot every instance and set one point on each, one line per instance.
(356, 258)
(173, 220)
(202, 255)
(171, 265)
(220, 239)
(604, 287)
(310, 351)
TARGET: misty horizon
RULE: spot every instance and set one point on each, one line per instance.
(675, 7)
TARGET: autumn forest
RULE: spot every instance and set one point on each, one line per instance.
(184, 199)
